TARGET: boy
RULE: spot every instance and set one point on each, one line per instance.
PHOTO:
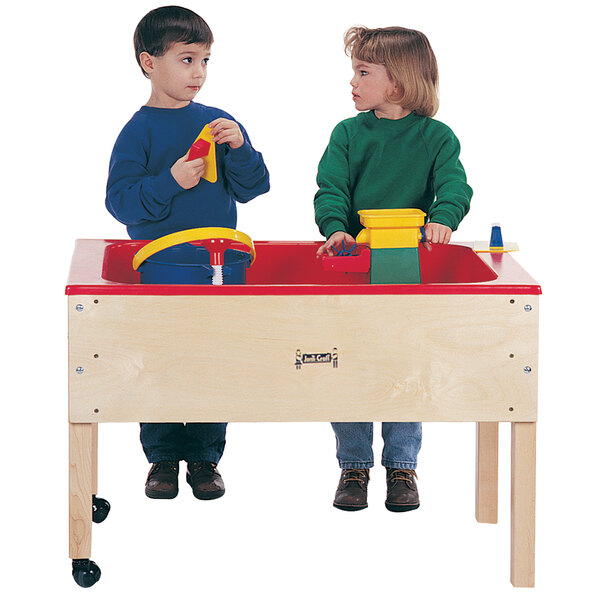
(154, 190)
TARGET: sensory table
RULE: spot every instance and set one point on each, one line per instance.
(299, 342)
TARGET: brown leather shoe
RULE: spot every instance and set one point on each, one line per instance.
(351, 493)
(402, 493)
(205, 480)
(162, 480)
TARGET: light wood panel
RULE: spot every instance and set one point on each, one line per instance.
(233, 358)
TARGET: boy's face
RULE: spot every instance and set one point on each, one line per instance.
(178, 75)
(371, 86)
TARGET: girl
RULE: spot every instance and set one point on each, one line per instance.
(392, 155)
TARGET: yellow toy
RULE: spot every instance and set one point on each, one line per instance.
(391, 228)
(393, 236)
(204, 146)
(191, 235)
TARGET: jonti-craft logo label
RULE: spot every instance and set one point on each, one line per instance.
(316, 358)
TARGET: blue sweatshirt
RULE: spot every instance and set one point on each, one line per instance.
(141, 192)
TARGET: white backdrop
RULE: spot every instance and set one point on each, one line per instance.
(518, 87)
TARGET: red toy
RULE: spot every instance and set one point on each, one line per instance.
(199, 149)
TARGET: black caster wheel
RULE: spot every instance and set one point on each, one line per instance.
(85, 572)
(100, 509)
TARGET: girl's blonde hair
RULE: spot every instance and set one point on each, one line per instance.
(408, 58)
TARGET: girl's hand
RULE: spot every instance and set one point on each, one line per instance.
(225, 131)
(436, 233)
(335, 241)
(187, 173)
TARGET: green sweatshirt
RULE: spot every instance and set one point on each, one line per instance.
(383, 163)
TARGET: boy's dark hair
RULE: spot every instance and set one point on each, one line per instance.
(164, 26)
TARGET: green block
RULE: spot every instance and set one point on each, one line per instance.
(395, 265)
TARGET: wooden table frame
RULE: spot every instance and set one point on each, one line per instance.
(376, 357)
(83, 484)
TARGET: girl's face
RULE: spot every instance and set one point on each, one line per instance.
(177, 76)
(371, 88)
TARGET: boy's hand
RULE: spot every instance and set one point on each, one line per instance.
(436, 233)
(225, 131)
(335, 241)
(187, 173)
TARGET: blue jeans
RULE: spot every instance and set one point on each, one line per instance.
(402, 442)
(191, 442)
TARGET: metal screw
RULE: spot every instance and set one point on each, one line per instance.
(79, 370)
(79, 307)
(528, 308)
(527, 369)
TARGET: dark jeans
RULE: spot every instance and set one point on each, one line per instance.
(191, 442)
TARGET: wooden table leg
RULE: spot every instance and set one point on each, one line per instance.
(522, 538)
(486, 491)
(94, 458)
(80, 490)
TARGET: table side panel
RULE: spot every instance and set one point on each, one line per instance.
(303, 358)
